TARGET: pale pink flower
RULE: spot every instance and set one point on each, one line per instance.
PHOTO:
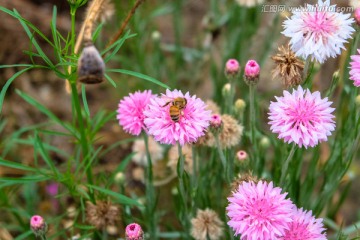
(305, 227)
(355, 69)
(318, 31)
(232, 68)
(259, 211)
(131, 111)
(216, 121)
(192, 123)
(133, 231)
(241, 155)
(302, 117)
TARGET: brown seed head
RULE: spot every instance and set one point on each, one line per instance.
(288, 67)
(206, 225)
(102, 214)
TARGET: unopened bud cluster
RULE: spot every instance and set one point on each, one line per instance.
(38, 225)
(91, 66)
(133, 231)
(232, 69)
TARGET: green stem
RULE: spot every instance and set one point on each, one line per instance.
(252, 112)
(185, 221)
(73, 13)
(150, 193)
(306, 67)
(286, 165)
(222, 157)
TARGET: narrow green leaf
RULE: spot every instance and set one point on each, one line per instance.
(117, 45)
(119, 197)
(38, 145)
(83, 95)
(139, 75)
(46, 111)
(11, 181)
(25, 235)
(112, 82)
(16, 165)
(7, 85)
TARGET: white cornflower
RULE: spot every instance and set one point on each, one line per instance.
(318, 31)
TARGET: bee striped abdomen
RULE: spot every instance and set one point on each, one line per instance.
(174, 113)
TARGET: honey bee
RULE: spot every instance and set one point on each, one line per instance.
(177, 104)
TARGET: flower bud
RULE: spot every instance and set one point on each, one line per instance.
(91, 66)
(38, 225)
(133, 231)
(215, 121)
(240, 105)
(241, 155)
(264, 142)
(357, 16)
(252, 72)
(155, 36)
(357, 100)
(226, 90)
(119, 178)
(174, 191)
(232, 69)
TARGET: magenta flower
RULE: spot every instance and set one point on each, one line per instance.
(133, 231)
(318, 31)
(232, 68)
(131, 111)
(185, 126)
(302, 117)
(355, 69)
(305, 227)
(259, 211)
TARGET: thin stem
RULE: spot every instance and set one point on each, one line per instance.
(220, 151)
(124, 24)
(73, 13)
(182, 188)
(306, 68)
(286, 164)
(150, 193)
(252, 112)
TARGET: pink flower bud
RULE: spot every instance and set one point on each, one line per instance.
(38, 225)
(133, 231)
(252, 72)
(357, 15)
(241, 155)
(215, 121)
(232, 68)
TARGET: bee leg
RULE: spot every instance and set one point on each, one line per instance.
(166, 104)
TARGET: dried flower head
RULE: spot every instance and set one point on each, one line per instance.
(155, 149)
(174, 157)
(134, 231)
(288, 67)
(185, 122)
(38, 225)
(304, 226)
(318, 31)
(212, 106)
(131, 111)
(245, 177)
(107, 11)
(230, 134)
(91, 66)
(102, 214)
(302, 117)
(259, 211)
(206, 225)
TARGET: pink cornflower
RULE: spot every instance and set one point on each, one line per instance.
(192, 122)
(305, 227)
(355, 69)
(357, 15)
(302, 117)
(318, 31)
(130, 111)
(259, 211)
(252, 69)
(216, 121)
(133, 231)
(241, 155)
